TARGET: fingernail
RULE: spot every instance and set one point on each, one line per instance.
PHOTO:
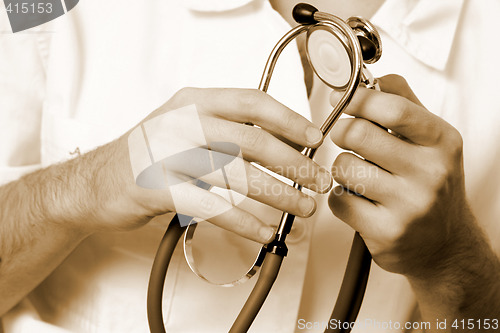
(266, 233)
(307, 206)
(313, 135)
(324, 181)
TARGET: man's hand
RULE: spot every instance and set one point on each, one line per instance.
(410, 205)
(46, 214)
(219, 117)
(412, 201)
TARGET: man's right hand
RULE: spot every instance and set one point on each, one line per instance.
(222, 114)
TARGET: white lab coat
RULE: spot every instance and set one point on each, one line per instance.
(445, 51)
(108, 67)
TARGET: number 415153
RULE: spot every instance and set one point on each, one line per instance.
(477, 324)
(29, 8)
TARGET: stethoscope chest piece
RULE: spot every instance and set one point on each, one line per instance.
(328, 55)
(369, 38)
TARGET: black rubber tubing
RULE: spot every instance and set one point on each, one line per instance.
(158, 274)
(353, 287)
(268, 274)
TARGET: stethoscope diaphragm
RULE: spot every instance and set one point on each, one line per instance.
(328, 56)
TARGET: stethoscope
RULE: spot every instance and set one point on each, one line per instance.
(355, 42)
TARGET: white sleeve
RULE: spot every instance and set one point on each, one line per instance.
(23, 318)
(22, 85)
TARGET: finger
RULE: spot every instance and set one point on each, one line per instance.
(295, 146)
(397, 85)
(240, 176)
(259, 146)
(356, 211)
(253, 106)
(364, 178)
(191, 200)
(244, 224)
(272, 192)
(376, 145)
(397, 114)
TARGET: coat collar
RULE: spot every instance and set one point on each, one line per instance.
(425, 28)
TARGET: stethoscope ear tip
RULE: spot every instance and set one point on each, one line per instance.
(303, 13)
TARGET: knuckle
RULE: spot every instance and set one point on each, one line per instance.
(278, 196)
(236, 175)
(241, 224)
(338, 203)
(435, 175)
(426, 203)
(340, 167)
(456, 143)
(393, 233)
(397, 79)
(333, 200)
(334, 97)
(283, 195)
(249, 98)
(183, 97)
(418, 205)
(439, 178)
(298, 167)
(399, 109)
(208, 206)
(253, 139)
(288, 121)
(254, 185)
(184, 93)
(357, 134)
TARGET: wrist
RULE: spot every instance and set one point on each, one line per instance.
(463, 279)
(66, 197)
(81, 190)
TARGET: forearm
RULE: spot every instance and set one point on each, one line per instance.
(467, 286)
(42, 219)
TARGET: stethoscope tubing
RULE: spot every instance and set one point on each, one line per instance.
(159, 273)
(346, 307)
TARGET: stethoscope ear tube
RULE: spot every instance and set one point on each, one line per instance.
(267, 276)
(158, 274)
(353, 287)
